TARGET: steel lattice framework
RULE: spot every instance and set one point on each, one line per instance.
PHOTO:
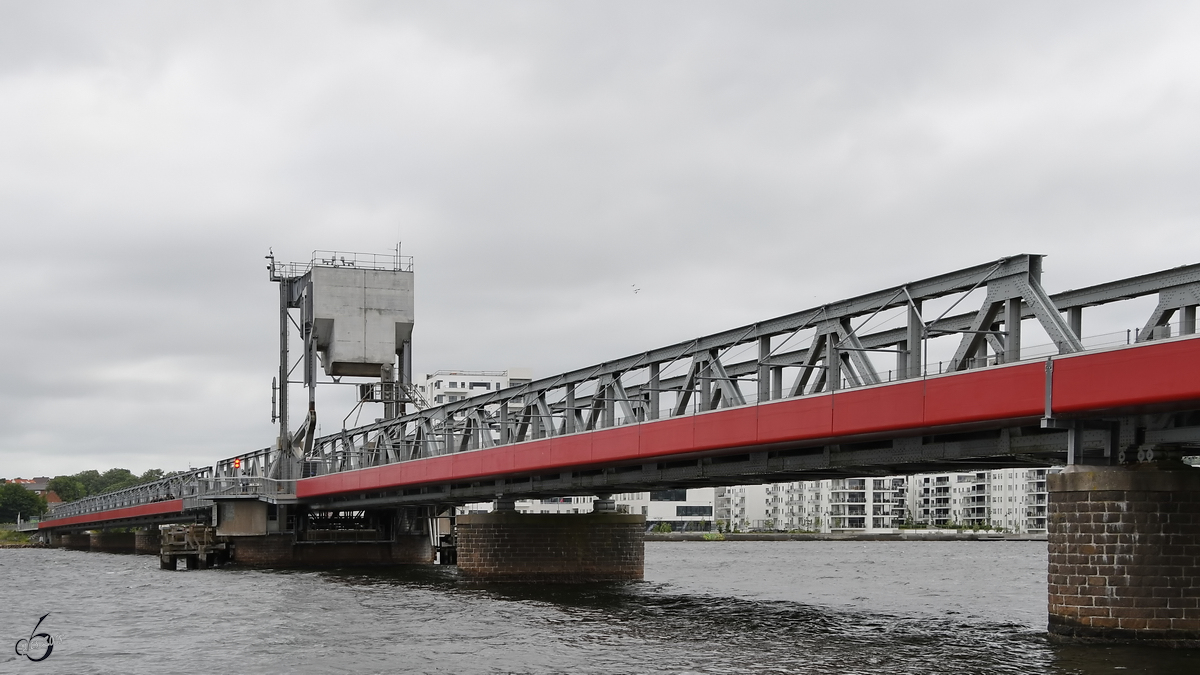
(632, 389)
(822, 349)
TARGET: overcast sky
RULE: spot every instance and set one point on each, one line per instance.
(735, 161)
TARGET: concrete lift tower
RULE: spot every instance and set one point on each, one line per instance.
(354, 315)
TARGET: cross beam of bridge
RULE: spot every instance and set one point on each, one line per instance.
(829, 391)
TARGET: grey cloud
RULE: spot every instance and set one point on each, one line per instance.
(735, 161)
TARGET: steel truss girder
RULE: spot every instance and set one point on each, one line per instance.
(1013, 281)
(555, 406)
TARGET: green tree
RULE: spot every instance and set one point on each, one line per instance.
(117, 479)
(68, 488)
(91, 481)
(15, 499)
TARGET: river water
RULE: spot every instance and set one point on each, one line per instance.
(705, 607)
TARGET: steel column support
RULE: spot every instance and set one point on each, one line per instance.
(610, 407)
(915, 340)
(764, 370)
(833, 363)
(387, 390)
(1075, 321)
(1074, 442)
(654, 393)
(284, 442)
(1012, 325)
(981, 355)
(505, 432)
(705, 381)
(570, 416)
(405, 374)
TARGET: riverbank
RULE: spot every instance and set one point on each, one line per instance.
(904, 535)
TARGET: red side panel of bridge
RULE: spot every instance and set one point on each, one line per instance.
(723, 429)
(140, 511)
(1148, 375)
(794, 419)
(1010, 392)
(876, 409)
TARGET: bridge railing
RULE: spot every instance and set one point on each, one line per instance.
(365, 261)
(178, 486)
(241, 486)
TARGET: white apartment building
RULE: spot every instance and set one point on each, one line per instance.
(1013, 500)
(447, 386)
(866, 504)
(842, 505)
(750, 506)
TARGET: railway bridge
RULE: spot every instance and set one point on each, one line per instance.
(975, 369)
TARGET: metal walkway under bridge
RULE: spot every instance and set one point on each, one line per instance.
(932, 375)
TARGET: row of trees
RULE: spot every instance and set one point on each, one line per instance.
(92, 482)
(17, 499)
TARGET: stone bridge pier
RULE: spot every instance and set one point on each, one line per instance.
(147, 541)
(1124, 547)
(509, 546)
(81, 541)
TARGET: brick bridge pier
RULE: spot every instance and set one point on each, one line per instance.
(1124, 547)
(508, 546)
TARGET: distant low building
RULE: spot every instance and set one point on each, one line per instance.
(39, 485)
(448, 386)
(690, 510)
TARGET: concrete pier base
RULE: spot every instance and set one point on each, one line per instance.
(77, 540)
(147, 541)
(1124, 550)
(113, 542)
(551, 548)
(281, 550)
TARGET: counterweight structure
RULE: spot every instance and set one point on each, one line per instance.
(354, 316)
